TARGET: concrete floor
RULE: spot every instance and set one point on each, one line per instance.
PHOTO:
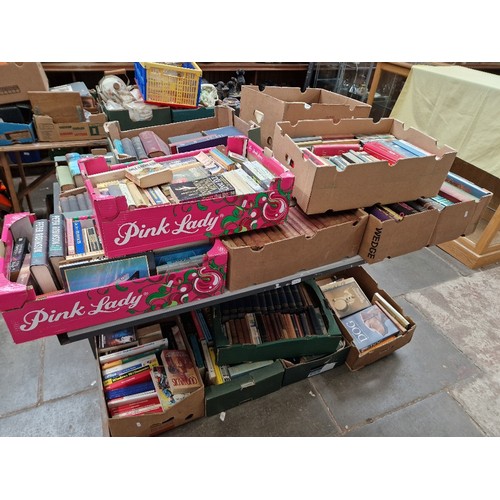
(445, 382)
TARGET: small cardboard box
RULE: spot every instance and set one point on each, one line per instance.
(254, 264)
(16, 133)
(224, 117)
(187, 410)
(17, 79)
(247, 387)
(231, 354)
(309, 366)
(356, 360)
(124, 231)
(62, 107)
(279, 104)
(29, 317)
(48, 131)
(390, 238)
(319, 188)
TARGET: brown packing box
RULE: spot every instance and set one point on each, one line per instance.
(461, 219)
(318, 189)
(62, 107)
(48, 131)
(16, 79)
(224, 117)
(249, 265)
(276, 104)
(356, 360)
(182, 412)
(391, 238)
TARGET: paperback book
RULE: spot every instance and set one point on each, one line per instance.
(345, 296)
(181, 373)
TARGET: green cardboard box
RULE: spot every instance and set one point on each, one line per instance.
(184, 115)
(161, 116)
(230, 354)
(251, 385)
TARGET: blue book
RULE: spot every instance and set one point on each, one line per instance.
(131, 389)
(78, 235)
(466, 185)
(411, 147)
(195, 346)
(206, 331)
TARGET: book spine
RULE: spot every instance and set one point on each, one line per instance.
(18, 253)
(129, 390)
(78, 235)
(153, 145)
(140, 396)
(40, 242)
(80, 200)
(56, 235)
(140, 375)
(64, 177)
(70, 239)
(140, 152)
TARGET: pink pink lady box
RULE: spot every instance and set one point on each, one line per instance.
(29, 317)
(127, 231)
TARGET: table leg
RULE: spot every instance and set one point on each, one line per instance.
(4, 162)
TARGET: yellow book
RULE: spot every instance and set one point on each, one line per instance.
(218, 374)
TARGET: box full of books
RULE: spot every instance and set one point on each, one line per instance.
(61, 281)
(277, 104)
(395, 229)
(398, 228)
(128, 145)
(372, 323)
(283, 322)
(357, 163)
(227, 386)
(300, 243)
(150, 382)
(461, 204)
(212, 192)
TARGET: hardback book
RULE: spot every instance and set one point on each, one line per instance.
(140, 152)
(149, 173)
(57, 251)
(133, 398)
(129, 390)
(78, 237)
(369, 326)
(107, 359)
(137, 376)
(150, 405)
(24, 276)
(129, 149)
(64, 178)
(153, 144)
(74, 168)
(183, 138)
(41, 268)
(19, 251)
(120, 339)
(204, 142)
(181, 373)
(165, 395)
(345, 296)
(210, 187)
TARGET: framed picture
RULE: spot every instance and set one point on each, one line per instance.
(93, 274)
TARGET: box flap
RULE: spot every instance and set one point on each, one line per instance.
(62, 107)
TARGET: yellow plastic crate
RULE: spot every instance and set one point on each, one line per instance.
(167, 84)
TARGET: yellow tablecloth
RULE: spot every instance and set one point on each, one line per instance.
(459, 107)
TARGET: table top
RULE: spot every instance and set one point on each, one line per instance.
(458, 107)
(35, 146)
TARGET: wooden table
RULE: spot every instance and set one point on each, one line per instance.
(24, 188)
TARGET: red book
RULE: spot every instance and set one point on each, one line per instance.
(334, 149)
(136, 378)
(153, 144)
(382, 152)
(132, 406)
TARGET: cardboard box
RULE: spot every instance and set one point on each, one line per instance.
(17, 79)
(460, 219)
(125, 231)
(251, 265)
(231, 354)
(318, 189)
(48, 131)
(16, 133)
(356, 360)
(309, 366)
(29, 317)
(278, 104)
(62, 107)
(391, 238)
(187, 410)
(224, 117)
(184, 115)
(247, 387)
